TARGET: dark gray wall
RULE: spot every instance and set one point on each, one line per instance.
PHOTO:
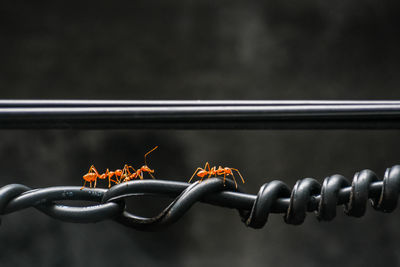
(198, 50)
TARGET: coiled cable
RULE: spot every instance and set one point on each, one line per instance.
(307, 195)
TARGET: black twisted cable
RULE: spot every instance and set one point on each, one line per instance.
(275, 197)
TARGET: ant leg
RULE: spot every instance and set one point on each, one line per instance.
(119, 179)
(104, 176)
(198, 169)
(83, 185)
(128, 167)
(207, 165)
(234, 180)
(111, 180)
(216, 172)
(125, 169)
(93, 170)
(239, 174)
(128, 174)
(125, 173)
(152, 176)
(211, 172)
(110, 174)
(107, 174)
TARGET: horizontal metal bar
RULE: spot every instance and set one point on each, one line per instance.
(160, 103)
(274, 115)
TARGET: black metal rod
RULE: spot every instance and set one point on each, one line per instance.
(140, 103)
(203, 115)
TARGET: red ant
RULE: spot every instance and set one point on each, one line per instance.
(93, 175)
(90, 177)
(127, 175)
(124, 174)
(226, 171)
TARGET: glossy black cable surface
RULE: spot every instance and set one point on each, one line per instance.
(84, 114)
(307, 195)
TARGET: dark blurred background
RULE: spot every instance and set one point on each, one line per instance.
(262, 50)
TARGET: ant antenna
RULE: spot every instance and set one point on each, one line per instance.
(149, 153)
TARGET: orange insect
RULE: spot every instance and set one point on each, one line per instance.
(93, 175)
(226, 171)
(123, 175)
(109, 174)
(127, 175)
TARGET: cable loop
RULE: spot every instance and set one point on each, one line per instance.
(266, 198)
(302, 192)
(391, 187)
(329, 196)
(360, 192)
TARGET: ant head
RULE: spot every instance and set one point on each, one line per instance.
(228, 170)
(146, 168)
